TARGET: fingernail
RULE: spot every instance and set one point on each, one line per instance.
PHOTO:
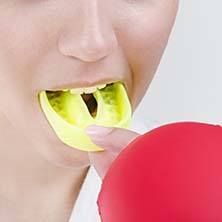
(98, 131)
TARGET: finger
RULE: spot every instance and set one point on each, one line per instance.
(102, 161)
(113, 140)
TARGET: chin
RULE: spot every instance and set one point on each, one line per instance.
(65, 156)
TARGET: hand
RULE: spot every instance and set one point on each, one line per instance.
(113, 140)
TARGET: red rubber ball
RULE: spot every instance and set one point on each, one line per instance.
(172, 173)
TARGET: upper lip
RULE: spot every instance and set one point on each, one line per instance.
(84, 84)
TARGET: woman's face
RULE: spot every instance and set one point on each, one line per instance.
(48, 44)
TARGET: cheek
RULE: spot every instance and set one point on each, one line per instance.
(23, 45)
(144, 39)
(24, 40)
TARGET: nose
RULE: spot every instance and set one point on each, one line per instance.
(96, 39)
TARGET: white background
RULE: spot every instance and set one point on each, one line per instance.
(188, 83)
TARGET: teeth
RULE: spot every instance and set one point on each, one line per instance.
(76, 91)
(101, 86)
(87, 90)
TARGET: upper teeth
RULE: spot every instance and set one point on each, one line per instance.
(86, 90)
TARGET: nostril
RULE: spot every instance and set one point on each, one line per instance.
(92, 56)
(89, 47)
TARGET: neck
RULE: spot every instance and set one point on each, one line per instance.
(28, 179)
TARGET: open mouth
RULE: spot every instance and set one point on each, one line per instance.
(104, 105)
(88, 98)
(70, 111)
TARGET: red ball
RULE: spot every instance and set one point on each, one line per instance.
(172, 173)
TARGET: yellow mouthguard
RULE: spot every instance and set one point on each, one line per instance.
(68, 114)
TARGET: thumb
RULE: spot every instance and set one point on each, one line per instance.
(112, 140)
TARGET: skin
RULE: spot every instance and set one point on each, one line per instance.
(46, 44)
